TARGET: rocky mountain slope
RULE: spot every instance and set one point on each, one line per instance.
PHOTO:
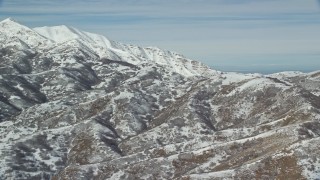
(76, 105)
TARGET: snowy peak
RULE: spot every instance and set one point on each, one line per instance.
(109, 49)
(62, 33)
(9, 20)
(65, 35)
(63, 38)
(14, 30)
(10, 24)
(58, 34)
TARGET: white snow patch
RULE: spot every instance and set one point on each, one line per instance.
(227, 174)
(117, 175)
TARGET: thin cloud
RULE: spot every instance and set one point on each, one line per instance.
(178, 8)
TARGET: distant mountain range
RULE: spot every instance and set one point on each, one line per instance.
(76, 105)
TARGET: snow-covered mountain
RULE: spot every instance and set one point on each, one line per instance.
(76, 105)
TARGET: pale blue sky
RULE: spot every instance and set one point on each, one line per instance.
(242, 35)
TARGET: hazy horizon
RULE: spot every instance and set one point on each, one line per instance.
(261, 69)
